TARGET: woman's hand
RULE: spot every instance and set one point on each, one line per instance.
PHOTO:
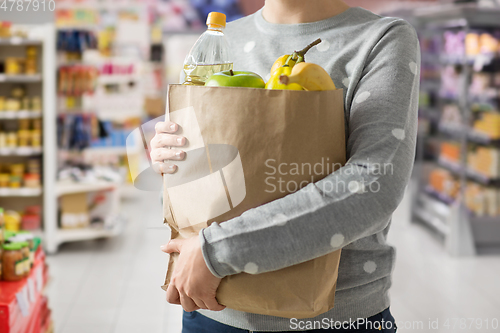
(192, 284)
(161, 153)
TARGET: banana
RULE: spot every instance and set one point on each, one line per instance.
(310, 76)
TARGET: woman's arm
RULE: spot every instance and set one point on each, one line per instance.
(355, 201)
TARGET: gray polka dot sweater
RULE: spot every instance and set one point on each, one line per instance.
(376, 61)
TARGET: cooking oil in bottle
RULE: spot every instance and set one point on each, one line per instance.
(199, 74)
(209, 55)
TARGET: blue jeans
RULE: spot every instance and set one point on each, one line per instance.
(194, 322)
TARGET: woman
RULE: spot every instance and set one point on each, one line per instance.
(376, 61)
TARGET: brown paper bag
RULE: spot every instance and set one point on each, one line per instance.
(236, 136)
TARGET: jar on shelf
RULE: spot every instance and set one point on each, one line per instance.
(32, 180)
(12, 104)
(2, 239)
(3, 140)
(25, 249)
(37, 124)
(13, 66)
(4, 179)
(30, 66)
(31, 52)
(12, 262)
(36, 138)
(34, 165)
(2, 103)
(15, 181)
(18, 91)
(17, 169)
(12, 220)
(36, 103)
(27, 237)
(2, 227)
(5, 29)
(25, 103)
(23, 138)
(24, 124)
(11, 140)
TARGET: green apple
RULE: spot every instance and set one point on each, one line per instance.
(232, 78)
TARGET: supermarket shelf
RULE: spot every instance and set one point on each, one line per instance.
(457, 131)
(22, 78)
(117, 78)
(72, 235)
(72, 63)
(106, 150)
(20, 192)
(457, 15)
(432, 221)
(21, 151)
(119, 115)
(20, 114)
(19, 41)
(433, 212)
(438, 196)
(471, 174)
(483, 139)
(63, 188)
(431, 114)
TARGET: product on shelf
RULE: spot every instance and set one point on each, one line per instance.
(482, 200)
(27, 244)
(442, 181)
(449, 78)
(76, 80)
(488, 124)
(17, 175)
(481, 43)
(457, 44)
(450, 151)
(13, 262)
(2, 238)
(27, 65)
(12, 220)
(485, 160)
(18, 100)
(31, 219)
(5, 29)
(24, 133)
(72, 43)
(482, 86)
(454, 44)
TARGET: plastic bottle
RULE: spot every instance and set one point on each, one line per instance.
(210, 54)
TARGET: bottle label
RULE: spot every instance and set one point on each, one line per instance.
(26, 265)
(19, 267)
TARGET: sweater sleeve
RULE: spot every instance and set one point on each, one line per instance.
(354, 202)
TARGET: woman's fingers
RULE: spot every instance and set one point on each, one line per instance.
(187, 303)
(166, 127)
(163, 154)
(167, 140)
(199, 303)
(173, 296)
(160, 167)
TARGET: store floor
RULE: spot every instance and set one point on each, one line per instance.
(113, 286)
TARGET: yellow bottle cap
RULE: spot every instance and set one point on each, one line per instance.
(215, 18)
